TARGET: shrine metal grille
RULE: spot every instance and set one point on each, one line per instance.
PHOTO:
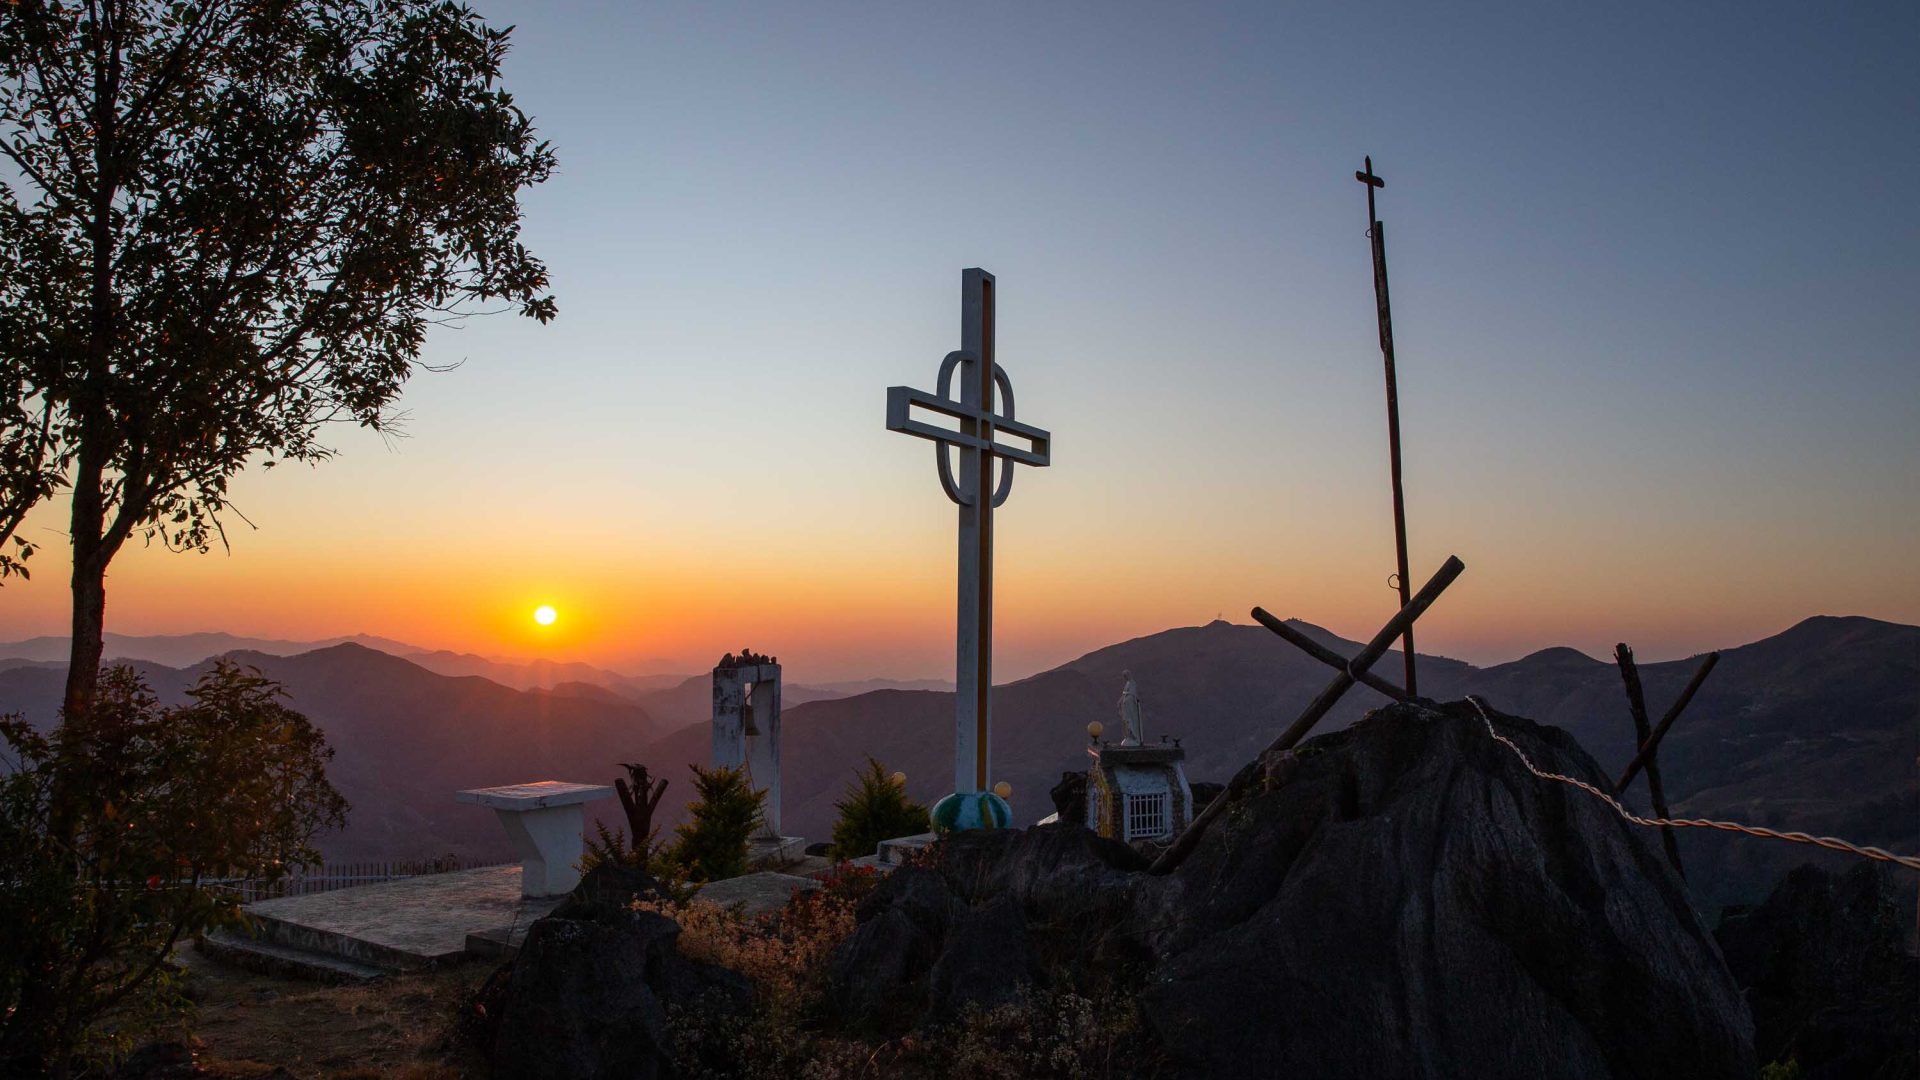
(1146, 816)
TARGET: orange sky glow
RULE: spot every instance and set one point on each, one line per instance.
(1657, 357)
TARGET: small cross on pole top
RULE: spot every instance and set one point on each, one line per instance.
(976, 441)
(1367, 177)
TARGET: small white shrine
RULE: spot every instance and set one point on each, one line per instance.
(1136, 792)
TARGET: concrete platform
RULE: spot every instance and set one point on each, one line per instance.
(409, 925)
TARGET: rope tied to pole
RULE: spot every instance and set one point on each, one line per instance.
(1829, 842)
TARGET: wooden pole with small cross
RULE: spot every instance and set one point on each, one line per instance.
(1383, 307)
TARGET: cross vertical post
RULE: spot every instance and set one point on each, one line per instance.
(980, 422)
(1384, 309)
(973, 638)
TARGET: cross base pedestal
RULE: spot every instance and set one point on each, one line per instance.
(971, 810)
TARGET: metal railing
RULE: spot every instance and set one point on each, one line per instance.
(332, 876)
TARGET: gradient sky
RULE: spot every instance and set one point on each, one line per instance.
(1655, 280)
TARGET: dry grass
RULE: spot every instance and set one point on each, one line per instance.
(789, 1035)
(250, 1026)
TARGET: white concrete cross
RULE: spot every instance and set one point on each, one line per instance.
(976, 439)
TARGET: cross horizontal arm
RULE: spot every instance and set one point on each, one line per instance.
(902, 399)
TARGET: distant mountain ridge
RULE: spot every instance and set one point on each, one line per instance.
(183, 650)
(186, 650)
(1815, 728)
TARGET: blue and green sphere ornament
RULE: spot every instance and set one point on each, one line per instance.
(965, 810)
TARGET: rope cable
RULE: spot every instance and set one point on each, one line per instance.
(1829, 842)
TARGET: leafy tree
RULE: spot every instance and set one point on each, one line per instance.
(156, 802)
(713, 843)
(875, 809)
(224, 223)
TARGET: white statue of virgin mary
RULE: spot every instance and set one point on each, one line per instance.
(1130, 712)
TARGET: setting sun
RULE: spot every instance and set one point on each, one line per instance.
(544, 615)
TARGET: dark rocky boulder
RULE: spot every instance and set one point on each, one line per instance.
(1414, 903)
(1825, 972)
(958, 931)
(588, 993)
(986, 960)
(878, 975)
(1409, 902)
(1204, 792)
(1070, 797)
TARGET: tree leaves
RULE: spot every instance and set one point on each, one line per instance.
(233, 224)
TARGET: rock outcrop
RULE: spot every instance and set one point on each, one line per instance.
(1831, 986)
(958, 930)
(1410, 902)
(587, 995)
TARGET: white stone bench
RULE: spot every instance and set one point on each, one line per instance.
(545, 820)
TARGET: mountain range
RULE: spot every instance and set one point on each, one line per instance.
(186, 650)
(1816, 728)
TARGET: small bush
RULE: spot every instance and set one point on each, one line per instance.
(875, 809)
(1060, 1035)
(713, 844)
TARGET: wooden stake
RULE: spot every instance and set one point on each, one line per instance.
(639, 800)
(1314, 712)
(1643, 731)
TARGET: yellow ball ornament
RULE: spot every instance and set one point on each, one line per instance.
(1003, 789)
(1096, 729)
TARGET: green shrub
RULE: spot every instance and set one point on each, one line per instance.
(610, 847)
(712, 845)
(110, 829)
(875, 809)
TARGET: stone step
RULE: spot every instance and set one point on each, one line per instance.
(273, 930)
(895, 852)
(499, 944)
(284, 961)
(775, 852)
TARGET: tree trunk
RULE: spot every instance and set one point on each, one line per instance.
(90, 557)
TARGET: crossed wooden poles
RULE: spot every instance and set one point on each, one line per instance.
(1648, 739)
(1350, 672)
(1357, 671)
